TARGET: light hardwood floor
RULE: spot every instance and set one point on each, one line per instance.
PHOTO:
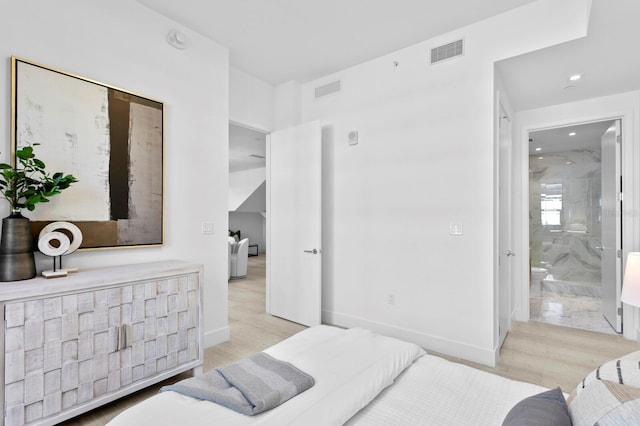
(543, 354)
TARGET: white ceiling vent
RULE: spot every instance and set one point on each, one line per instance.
(328, 89)
(447, 51)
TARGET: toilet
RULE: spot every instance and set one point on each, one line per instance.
(537, 275)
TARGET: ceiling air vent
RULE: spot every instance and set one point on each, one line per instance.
(447, 51)
(328, 89)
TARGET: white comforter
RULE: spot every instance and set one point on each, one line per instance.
(350, 368)
(434, 391)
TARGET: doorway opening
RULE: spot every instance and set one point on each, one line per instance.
(575, 235)
(247, 203)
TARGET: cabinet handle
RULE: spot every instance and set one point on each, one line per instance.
(124, 336)
(121, 336)
(117, 337)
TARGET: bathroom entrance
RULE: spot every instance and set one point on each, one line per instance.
(574, 226)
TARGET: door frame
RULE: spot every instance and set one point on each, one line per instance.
(629, 169)
(266, 133)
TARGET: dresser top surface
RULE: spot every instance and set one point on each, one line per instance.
(87, 279)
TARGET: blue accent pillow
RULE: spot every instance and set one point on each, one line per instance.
(544, 409)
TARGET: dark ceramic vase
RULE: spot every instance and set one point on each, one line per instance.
(16, 249)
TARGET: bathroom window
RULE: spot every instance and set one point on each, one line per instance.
(551, 204)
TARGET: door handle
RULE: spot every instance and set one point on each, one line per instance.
(510, 253)
(601, 248)
(314, 251)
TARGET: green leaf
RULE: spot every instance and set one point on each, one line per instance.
(25, 153)
(28, 183)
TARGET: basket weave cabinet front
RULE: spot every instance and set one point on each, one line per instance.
(65, 352)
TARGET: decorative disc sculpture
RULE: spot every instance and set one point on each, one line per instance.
(64, 245)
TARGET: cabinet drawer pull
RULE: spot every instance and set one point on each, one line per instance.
(124, 337)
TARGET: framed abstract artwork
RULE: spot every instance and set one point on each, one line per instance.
(110, 139)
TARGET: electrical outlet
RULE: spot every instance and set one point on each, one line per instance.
(391, 299)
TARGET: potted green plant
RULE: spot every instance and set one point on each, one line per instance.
(24, 186)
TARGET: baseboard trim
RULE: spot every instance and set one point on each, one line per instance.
(428, 342)
(215, 337)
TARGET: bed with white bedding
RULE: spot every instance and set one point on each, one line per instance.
(350, 368)
(361, 378)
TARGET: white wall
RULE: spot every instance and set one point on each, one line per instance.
(123, 43)
(425, 159)
(243, 183)
(287, 105)
(257, 202)
(625, 106)
(251, 101)
(251, 225)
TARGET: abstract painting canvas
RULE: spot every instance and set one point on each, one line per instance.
(110, 139)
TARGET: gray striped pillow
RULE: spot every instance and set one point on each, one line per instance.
(624, 371)
(606, 403)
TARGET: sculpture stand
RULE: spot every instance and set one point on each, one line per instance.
(59, 272)
(56, 273)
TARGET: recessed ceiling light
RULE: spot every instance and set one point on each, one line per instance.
(540, 158)
(538, 149)
(572, 134)
(575, 77)
(569, 162)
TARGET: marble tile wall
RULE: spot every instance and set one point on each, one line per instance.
(565, 243)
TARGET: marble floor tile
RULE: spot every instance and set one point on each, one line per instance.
(590, 289)
(569, 310)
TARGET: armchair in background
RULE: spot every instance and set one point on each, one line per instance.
(238, 258)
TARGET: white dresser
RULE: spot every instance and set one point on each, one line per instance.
(71, 344)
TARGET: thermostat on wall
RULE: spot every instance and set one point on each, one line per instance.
(353, 137)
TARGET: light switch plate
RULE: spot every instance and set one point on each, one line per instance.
(207, 228)
(455, 229)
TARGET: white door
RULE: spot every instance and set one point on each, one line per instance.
(294, 224)
(505, 253)
(611, 244)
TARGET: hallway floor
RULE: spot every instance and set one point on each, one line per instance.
(569, 310)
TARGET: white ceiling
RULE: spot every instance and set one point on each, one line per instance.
(282, 40)
(587, 135)
(244, 145)
(607, 58)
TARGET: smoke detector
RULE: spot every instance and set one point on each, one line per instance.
(177, 39)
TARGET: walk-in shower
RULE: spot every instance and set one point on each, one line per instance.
(565, 225)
